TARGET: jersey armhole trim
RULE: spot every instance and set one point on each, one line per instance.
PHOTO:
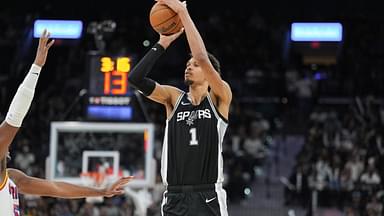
(217, 113)
(2, 185)
(176, 105)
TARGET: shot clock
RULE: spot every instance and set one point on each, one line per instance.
(110, 97)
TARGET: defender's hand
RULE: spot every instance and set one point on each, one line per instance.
(117, 188)
(42, 49)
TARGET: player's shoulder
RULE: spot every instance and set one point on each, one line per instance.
(228, 95)
(226, 84)
(15, 174)
(225, 96)
(174, 91)
(174, 94)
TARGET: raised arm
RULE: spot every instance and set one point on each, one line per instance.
(218, 86)
(163, 94)
(41, 187)
(22, 100)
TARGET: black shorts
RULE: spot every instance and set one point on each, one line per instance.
(196, 200)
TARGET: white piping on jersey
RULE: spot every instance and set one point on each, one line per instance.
(221, 128)
(214, 110)
(163, 202)
(222, 199)
(176, 105)
(164, 156)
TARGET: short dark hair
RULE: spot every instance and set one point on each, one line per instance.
(214, 61)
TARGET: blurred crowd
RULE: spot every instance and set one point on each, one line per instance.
(342, 159)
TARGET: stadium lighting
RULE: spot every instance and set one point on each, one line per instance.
(65, 29)
(307, 31)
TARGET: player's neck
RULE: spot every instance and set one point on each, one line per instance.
(197, 93)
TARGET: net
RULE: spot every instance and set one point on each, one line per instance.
(95, 180)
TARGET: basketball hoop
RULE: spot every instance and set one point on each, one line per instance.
(93, 179)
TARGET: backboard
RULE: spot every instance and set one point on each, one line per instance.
(80, 147)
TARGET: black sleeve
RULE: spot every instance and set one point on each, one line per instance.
(137, 77)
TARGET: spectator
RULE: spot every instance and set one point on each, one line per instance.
(370, 179)
(89, 209)
(355, 166)
(25, 158)
(254, 147)
(374, 207)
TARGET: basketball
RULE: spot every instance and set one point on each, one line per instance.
(164, 20)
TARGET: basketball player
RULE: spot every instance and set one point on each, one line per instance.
(13, 181)
(192, 163)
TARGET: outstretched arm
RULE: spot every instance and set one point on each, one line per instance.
(23, 97)
(41, 187)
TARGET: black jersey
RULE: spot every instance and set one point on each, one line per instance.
(192, 148)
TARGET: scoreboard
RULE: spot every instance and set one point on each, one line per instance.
(316, 42)
(109, 95)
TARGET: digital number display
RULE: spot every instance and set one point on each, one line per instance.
(109, 75)
(115, 78)
(109, 94)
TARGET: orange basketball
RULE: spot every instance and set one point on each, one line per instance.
(164, 20)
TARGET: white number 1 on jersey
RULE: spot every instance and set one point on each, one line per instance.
(193, 140)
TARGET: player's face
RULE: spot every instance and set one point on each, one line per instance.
(193, 73)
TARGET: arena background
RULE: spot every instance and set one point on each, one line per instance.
(305, 134)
